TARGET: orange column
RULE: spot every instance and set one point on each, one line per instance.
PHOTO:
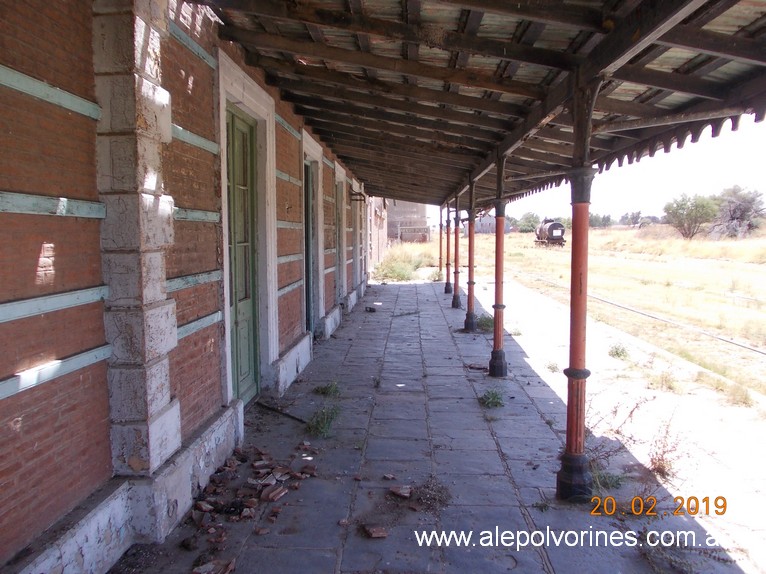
(441, 233)
(498, 367)
(470, 315)
(574, 478)
(447, 278)
(456, 295)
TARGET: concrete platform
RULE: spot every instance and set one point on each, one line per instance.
(408, 414)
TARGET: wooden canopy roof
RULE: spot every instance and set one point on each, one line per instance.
(421, 97)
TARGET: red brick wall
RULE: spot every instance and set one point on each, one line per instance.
(54, 438)
(54, 451)
(291, 325)
(45, 149)
(36, 340)
(47, 255)
(195, 377)
(195, 249)
(192, 176)
(50, 41)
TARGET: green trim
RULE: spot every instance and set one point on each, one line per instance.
(45, 205)
(48, 303)
(290, 258)
(328, 163)
(287, 177)
(289, 225)
(293, 132)
(187, 281)
(181, 214)
(290, 287)
(195, 48)
(199, 324)
(52, 370)
(33, 87)
(191, 138)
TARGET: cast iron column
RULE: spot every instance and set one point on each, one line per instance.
(575, 477)
(456, 295)
(441, 233)
(498, 367)
(447, 284)
(470, 315)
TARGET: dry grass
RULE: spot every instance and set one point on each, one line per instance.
(712, 286)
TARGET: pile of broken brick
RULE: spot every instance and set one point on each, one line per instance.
(236, 497)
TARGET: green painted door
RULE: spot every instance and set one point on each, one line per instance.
(241, 177)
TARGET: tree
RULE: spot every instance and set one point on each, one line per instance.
(529, 221)
(596, 220)
(689, 214)
(738, 212)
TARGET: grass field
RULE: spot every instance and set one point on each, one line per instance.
(705, 290)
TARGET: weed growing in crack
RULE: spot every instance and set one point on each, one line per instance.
(491, 399)
(485, 323)
(320, 423)
(618, 351)
(552, 366)
(328, 390)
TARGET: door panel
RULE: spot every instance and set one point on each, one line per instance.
(241, 172)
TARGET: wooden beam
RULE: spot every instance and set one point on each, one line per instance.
(650, 20)
(373, 141)
(351, 96)
(432, 36)
(681, 83)
(546, 11)
(670, 119)
(737, 48)
(385, 128)
(378, 87)
(353, 111)
(261, 41)
(351, 150)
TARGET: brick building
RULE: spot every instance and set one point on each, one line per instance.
(172, 241)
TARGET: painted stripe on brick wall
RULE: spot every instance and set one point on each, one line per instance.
(287, 177)
(290, 287)
(51, 370)
(48, 303)
(293, 132)
(329, 199)
(290, 258)
(44, 205)
(328, 251)
(199, 324)
(181, 214)
(329, 270)
(191, 138)
(33, 87)
(189, 42)
(289, 225)
(328, 163)
(178, 283)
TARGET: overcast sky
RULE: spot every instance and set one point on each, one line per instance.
(705, 168)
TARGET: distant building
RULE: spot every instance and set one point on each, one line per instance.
(408, 222)
(485, 223)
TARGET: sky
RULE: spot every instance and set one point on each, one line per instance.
(703, 168)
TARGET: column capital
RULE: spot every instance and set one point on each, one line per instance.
(580, 180)
(500, 207)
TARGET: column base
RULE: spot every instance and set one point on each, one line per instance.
(470, 322)
(456, 300)
(574, 479)
(498, 367)
(448, 287)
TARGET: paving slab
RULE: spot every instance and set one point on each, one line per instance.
(409, 416)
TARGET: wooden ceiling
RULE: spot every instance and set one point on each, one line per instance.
(421, 97)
